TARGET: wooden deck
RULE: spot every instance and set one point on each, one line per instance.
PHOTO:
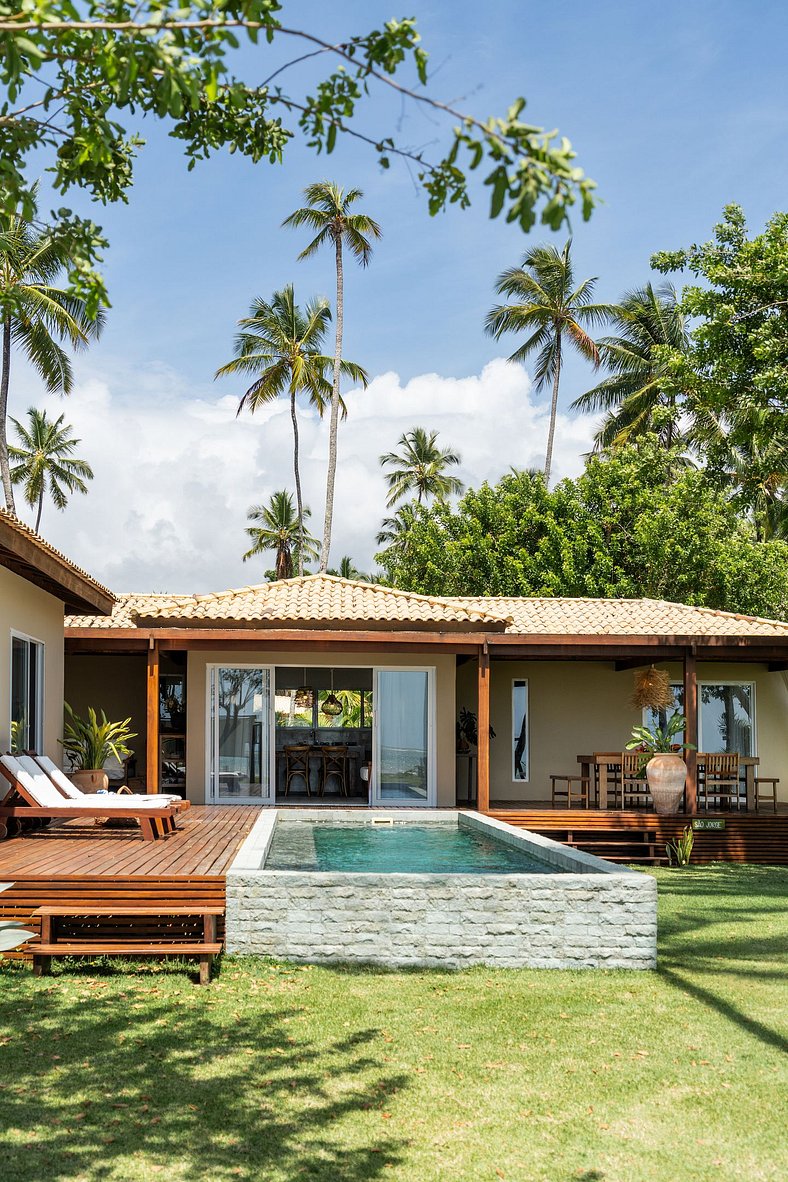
(78, 863)
(638, 836)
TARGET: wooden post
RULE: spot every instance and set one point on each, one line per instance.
(691, 728)
(152, 697)
(483, 726)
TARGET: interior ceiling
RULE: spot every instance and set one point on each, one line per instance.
(320, 678)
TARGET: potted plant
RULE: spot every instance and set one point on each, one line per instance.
(468, 731)
(89, 743)
(666, 770)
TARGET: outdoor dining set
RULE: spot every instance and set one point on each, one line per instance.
(308, 767)
(726, 781)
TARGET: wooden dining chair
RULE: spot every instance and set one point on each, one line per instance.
(721, 782)
(634, 785)
(334, 765)
(297, 765)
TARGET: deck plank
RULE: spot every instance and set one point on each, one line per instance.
(79, 863)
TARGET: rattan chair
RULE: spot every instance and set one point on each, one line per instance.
(297, 766)
(721, 783)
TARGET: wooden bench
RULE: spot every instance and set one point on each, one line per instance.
(144, 945)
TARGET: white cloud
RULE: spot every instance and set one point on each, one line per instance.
(176, 471)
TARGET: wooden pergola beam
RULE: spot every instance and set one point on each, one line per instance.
(691, 729)
(483, 733)
(152, 719)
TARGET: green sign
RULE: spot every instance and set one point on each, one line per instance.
(708, 823)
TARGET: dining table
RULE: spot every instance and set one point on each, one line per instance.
(601, 768)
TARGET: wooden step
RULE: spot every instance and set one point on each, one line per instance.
(115, 948)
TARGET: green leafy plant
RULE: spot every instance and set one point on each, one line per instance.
(18, 730)
(659, 740)
(680, 851)
(89, 742)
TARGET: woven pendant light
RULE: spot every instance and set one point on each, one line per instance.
(304, 696)
(652, 689)
(332, 706)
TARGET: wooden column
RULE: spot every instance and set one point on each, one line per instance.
(691, 728)
(483, 724)
(152, 698)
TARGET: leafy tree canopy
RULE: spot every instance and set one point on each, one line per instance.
(735, 370)
(78, 77)
(636, 523)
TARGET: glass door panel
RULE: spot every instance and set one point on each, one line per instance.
(403, 737)
(239, 702)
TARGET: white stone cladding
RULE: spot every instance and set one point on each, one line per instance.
(591, 915)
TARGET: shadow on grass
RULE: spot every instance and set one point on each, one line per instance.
(182, 1088)
(757, 1029)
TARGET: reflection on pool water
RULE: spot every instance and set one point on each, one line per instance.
(395, 849)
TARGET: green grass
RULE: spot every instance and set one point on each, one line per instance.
(282, 1073)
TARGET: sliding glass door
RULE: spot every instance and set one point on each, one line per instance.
(239, 725)
(404, 766)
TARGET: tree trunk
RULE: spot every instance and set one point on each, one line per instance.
(297, 476)
(548, 459)
(40, 507)
(334, 424)
(5, 467)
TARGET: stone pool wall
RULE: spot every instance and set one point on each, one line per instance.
(591, 915)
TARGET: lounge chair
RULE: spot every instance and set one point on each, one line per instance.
(40, 799)
(69, 790)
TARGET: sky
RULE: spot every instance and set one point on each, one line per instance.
(674, 109)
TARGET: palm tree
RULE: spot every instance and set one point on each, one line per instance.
(328, 213)
(279, 346)
(44, 463)
(639, 394)
(347, 569)
(420, 468)
(34, 311)
(277, 528)
(552, 311)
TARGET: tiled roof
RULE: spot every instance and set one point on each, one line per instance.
(27, 553)
(313, 601)
(317, 601)
(621, 617)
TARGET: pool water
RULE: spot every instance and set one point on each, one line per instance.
(395, 849)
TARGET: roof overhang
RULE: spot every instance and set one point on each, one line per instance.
(25, 555)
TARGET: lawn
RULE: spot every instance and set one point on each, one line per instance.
(280, 1072)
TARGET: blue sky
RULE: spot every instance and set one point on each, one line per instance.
(674, 109)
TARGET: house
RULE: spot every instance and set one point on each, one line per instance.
(37, 585)
(224, 686)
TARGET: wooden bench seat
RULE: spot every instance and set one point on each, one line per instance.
(135, 943)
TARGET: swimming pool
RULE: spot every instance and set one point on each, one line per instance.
(396, 848)
(431, 887)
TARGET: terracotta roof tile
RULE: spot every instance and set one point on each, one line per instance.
(25, 531)
(319, 600)
(325, 600)
(622, 617)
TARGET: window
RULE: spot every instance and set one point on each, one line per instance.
(726, 716)
(520, 745)
(302, 695)
(27, 694)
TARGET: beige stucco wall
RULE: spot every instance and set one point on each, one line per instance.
(445, 709)
(581, 707)
(32, 612)
(114, 683)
